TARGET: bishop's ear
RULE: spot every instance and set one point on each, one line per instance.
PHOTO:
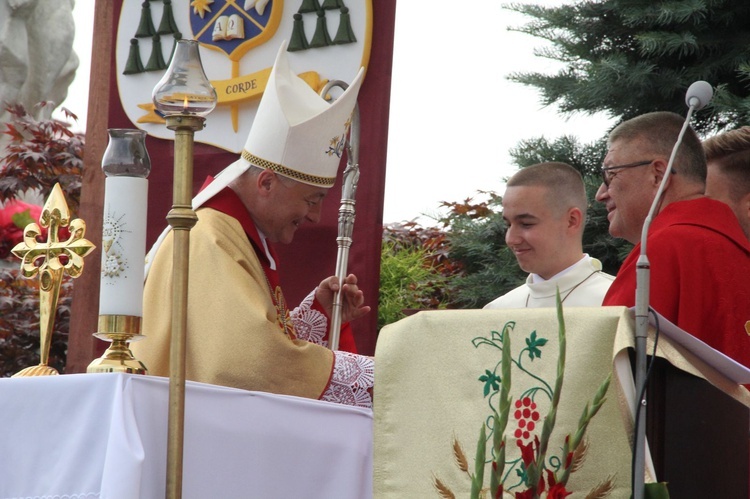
(265, 180)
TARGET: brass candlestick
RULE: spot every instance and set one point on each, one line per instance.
(50, 260)
(184, 95)
(117, 358)
(181, 218)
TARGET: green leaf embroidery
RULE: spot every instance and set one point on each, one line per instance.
(533, 345)
(491, 382)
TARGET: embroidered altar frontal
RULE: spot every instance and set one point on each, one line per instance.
(439, 378)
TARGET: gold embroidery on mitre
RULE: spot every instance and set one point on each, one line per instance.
(283, 318)
(288, 172)
(747, 327)
(338, 143)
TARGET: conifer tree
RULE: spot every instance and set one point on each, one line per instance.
(629, 57)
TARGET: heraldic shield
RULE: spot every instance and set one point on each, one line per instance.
(234, 26)
(239, 39)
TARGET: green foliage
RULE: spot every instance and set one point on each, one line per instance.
(407, 281)
(414, 271)
(586, 158)
(629, 57)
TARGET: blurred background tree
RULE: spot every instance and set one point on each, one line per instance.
(40, 153)
(414, 271)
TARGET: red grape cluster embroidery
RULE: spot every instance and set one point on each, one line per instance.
(526, 416)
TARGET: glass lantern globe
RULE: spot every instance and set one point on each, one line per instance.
(184, 89)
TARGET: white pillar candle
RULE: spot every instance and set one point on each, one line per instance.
(123, 246)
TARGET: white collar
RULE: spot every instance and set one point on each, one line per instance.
(271, 261)
(536, 278)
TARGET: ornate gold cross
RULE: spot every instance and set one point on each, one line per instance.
(50, 260)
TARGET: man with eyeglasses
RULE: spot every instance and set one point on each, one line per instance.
(699, 256)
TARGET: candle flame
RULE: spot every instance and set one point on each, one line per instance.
(185, 104)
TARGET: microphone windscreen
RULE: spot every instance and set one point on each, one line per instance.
(699, 94)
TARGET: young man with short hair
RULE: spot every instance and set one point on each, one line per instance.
(728, 180)
(544, 208)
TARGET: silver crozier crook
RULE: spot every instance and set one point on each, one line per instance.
(346, 213)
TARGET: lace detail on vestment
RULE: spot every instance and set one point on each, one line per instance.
(310, 324)
(352, 380)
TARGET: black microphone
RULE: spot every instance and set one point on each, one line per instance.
(698, 95)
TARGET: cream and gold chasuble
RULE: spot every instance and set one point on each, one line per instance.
(440, 378)
(234, 329)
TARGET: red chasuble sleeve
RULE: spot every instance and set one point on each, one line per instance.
(699, 262)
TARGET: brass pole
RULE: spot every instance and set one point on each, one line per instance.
(181, 218)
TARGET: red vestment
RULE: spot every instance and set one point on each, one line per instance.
(700, 264)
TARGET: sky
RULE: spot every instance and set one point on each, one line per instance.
(454, 114)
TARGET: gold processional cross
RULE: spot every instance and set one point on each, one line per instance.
(50, 260)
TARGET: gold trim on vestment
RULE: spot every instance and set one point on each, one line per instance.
(288, 172)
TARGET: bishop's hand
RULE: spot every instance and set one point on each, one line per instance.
(352, 299)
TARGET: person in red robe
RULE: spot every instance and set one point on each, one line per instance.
(699, 255)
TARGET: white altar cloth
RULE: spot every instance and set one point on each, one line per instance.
(87, 436)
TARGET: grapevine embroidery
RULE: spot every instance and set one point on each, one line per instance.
(541, 470)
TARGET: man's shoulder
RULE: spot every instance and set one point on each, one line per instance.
(697, 218)
(214, 221)
(691, 234)
(596, 265)
(603, 277)
(217, 231)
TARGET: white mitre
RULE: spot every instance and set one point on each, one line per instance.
(295, 133)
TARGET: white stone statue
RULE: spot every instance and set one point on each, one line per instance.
(37, 61)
